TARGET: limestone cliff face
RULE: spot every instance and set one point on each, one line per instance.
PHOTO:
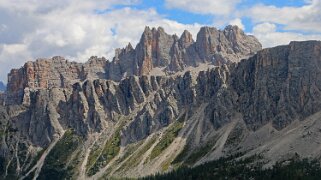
(118, 119)
(50, 73)
(280, 84)
(229, 45)
(276, 85)
(156, 49)
(153, 50)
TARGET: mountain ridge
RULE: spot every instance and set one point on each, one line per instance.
(266, 105)
(156, 50)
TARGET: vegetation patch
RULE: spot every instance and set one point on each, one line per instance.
(165, 165)
(2, 133)
(235, 137)
(2, 167)
(199, 153)
(35, 160)
(110, 151)
(55, 163)
(12, 169)
(169, 135)
(30, 176)
(129, 150)
(189, 157)
(136, 158)
(22, 152)
(182, 155)
(93, 156)
(100, 158)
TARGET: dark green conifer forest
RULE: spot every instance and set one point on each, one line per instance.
(229, 168)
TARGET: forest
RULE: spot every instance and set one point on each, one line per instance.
(230, 168)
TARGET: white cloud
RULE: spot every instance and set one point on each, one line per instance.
(237, 22)
(269, 37)
(41, 6)
(214, 7)
(36, 28)
(305, 18)
(264, 28)
(280, 25)
(12, 55)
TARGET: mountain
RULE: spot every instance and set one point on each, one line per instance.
(170, 102)
(157, 53)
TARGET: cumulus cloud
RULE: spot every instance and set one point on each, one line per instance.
(75, 29)
(269, 37)
(237, 22)
(12, 55)
(280, 25)
(305, 18)
(43, 7)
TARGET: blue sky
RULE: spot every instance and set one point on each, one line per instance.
(186, 17)
(175, 14)
(78, 29)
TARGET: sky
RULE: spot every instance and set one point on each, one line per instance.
(78, 29)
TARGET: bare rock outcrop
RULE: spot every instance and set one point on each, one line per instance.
(228, 45)
(280, 84)
(50, 73)
(156, 49)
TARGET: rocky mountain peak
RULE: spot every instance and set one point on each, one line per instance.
(228, 45)
(56, 59)
(161, 29)
(156, 52)
(206, 31)
(153, 50)
(123, 51)
(129, 47)
(233, 33)
(153, 31)
(158, 49)
(186, 39)
(232, 28)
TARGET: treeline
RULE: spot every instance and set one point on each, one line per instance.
(229, 168)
